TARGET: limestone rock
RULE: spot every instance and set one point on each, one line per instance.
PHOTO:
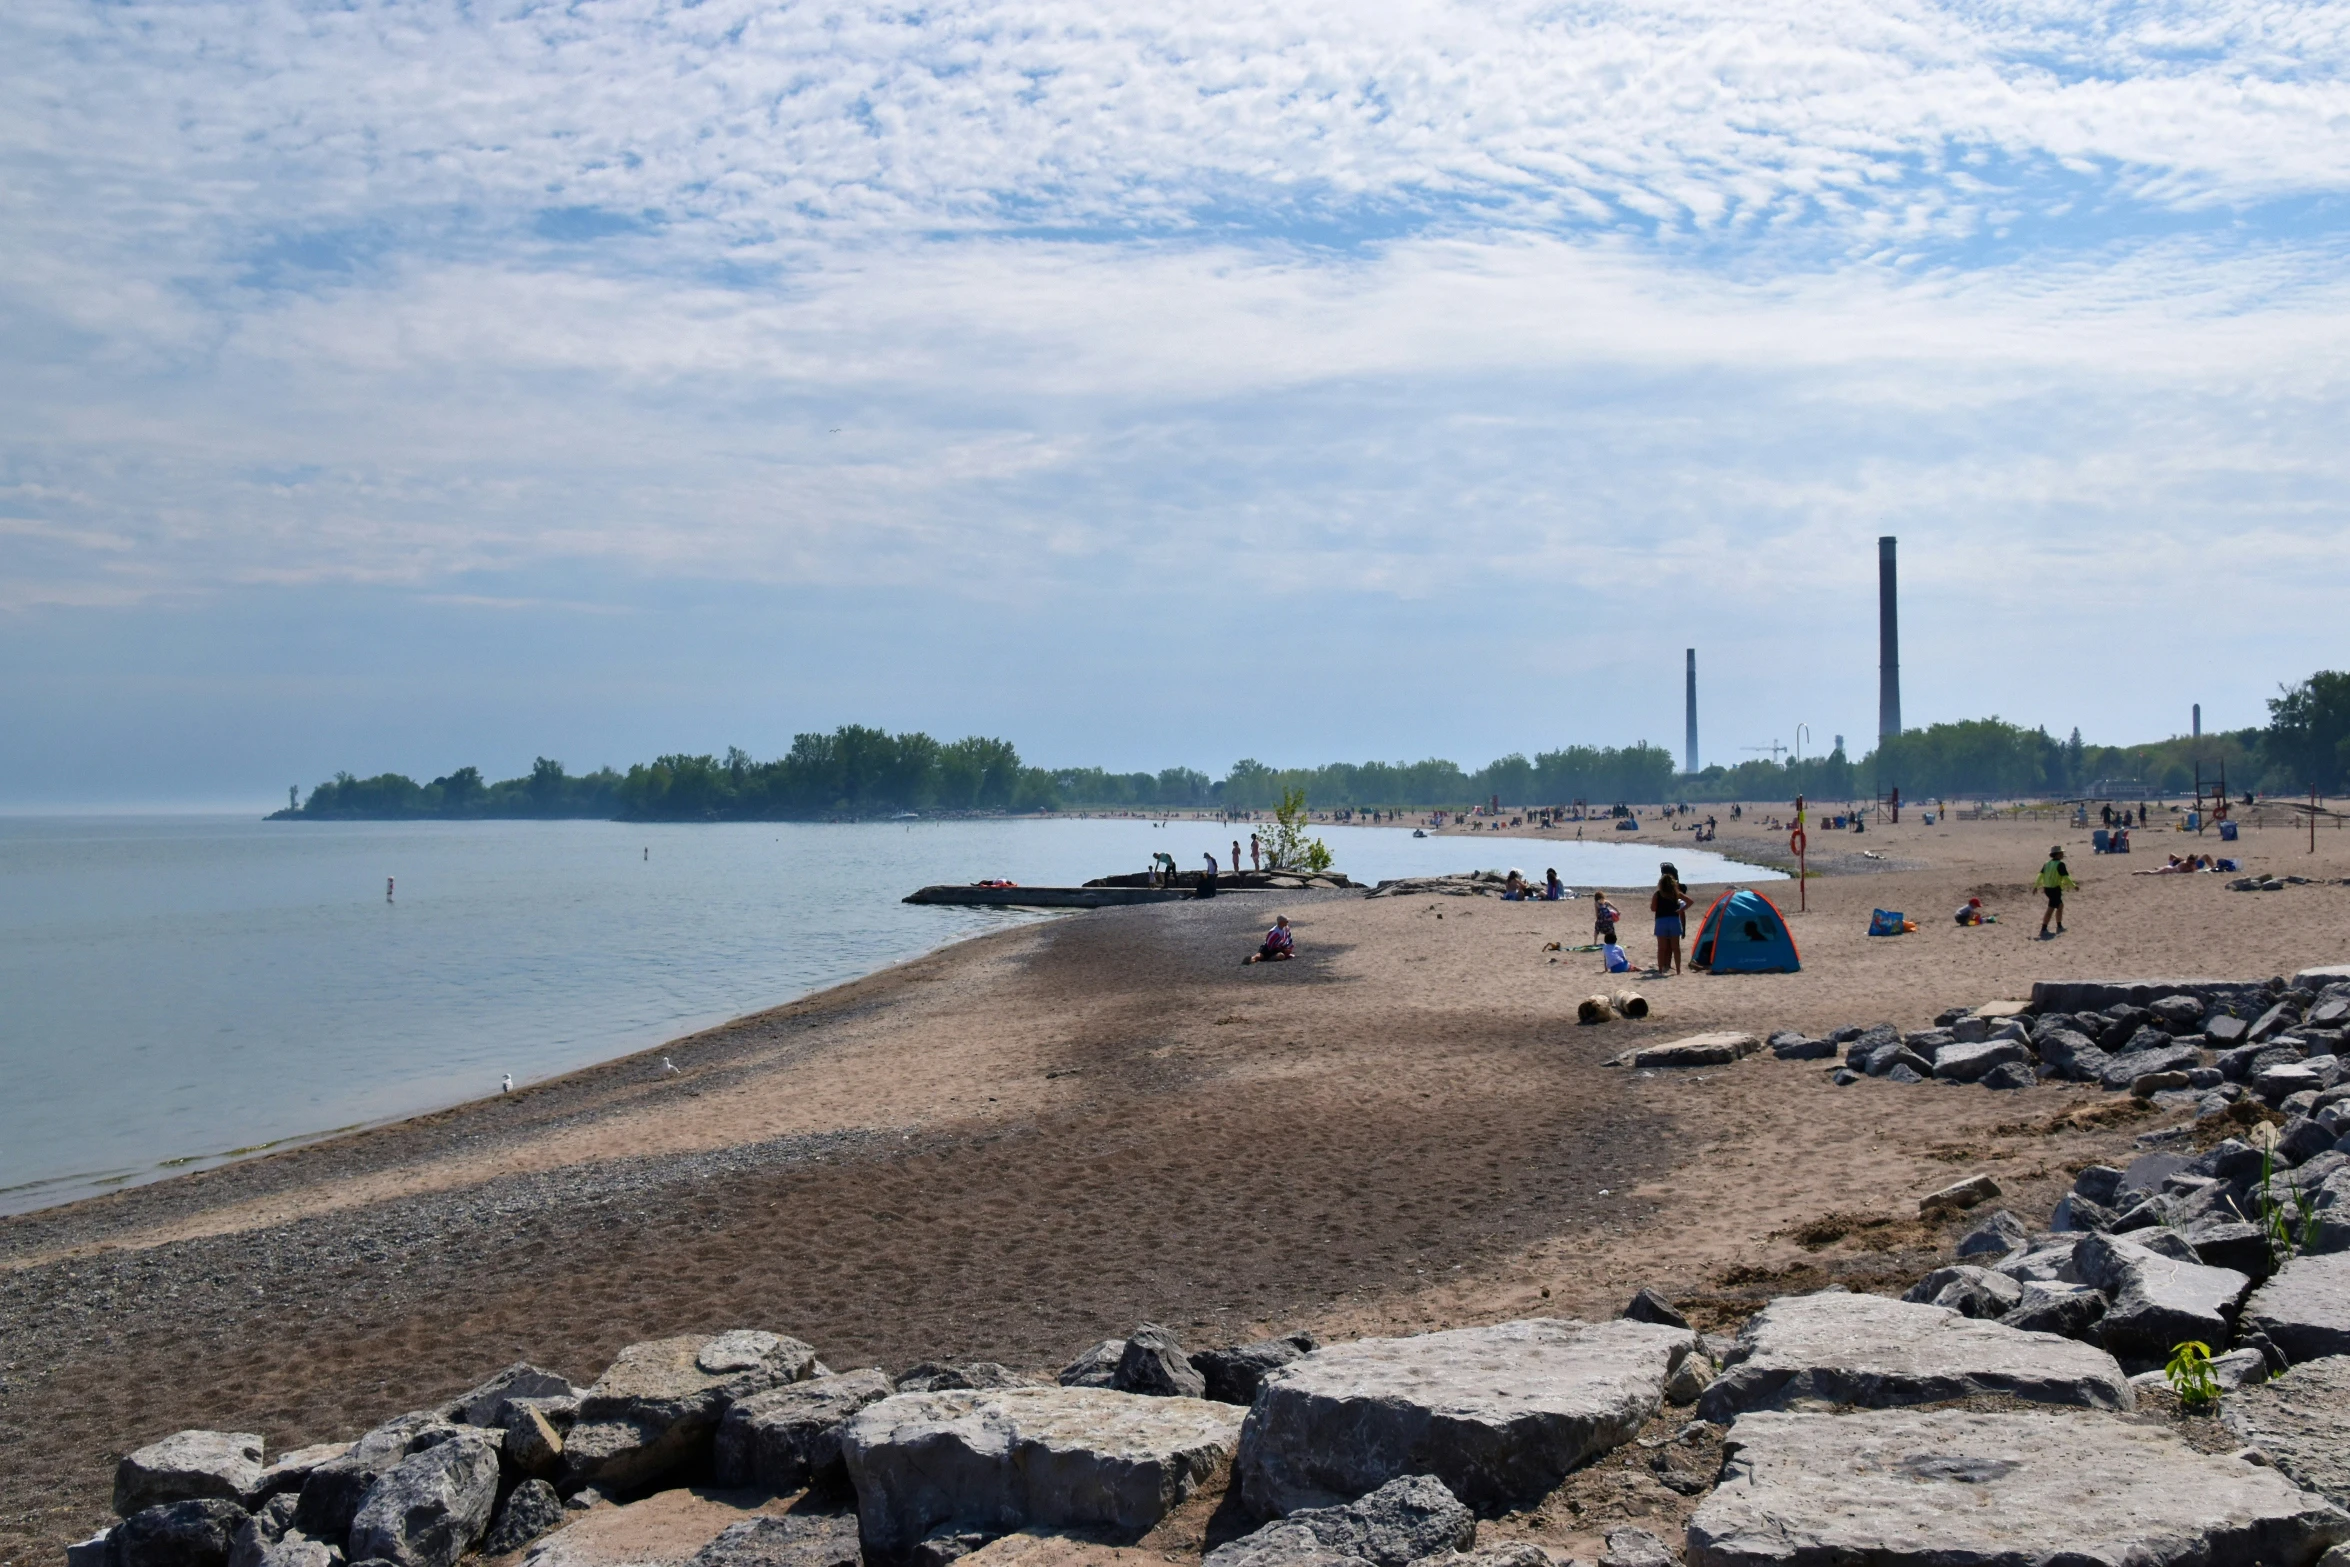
(1791, 1046)
(1636, 1547)
(1719, 1049)
(1866, 1350)
(2043, 1262)
(2122, 1070)
(2015, 1074)
(2232, 1245)
(1499, 1414)
(2157, 1301)
(268, 1525)
(330, 1497)
(789, 1437)
(533, 1446)
(529, 1511)
(1649, 1306)
(192, 1532)
(2298, 1420)
(1154, 1365)
(1920, 1488)
(2072, 1054)
(187, 1465)
(297, 1550)
(1996, 1236)
(2067, 1310)
(1097, 1367)
(1966, 1063)
(1969, 1291)
(288, 1472)
(658, 1405)
(1400, 1523)
(1005, 1459)
(1960, 1194)
(484, 1405)
(1232, 1375)
(976, 1375)
(430, 1508)
(793, 1539)
(2305, 1309)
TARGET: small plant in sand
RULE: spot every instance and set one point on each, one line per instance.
(2189, 1375)
(1291, 849)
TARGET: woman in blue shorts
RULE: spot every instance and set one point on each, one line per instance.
(1669, 904)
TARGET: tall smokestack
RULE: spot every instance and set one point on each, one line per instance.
(1692, 710)
(2198, 720)
(1888, 645)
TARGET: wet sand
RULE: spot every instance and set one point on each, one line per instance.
(1015, 1146)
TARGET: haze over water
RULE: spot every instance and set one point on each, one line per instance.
(182, 989)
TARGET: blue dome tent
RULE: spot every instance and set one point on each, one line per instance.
(1744, 933)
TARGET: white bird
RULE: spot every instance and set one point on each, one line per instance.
(506, 1084)
(668, 1065)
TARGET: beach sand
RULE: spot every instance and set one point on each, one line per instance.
(1013, 1147)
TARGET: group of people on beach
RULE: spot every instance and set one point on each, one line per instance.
(1668, 906)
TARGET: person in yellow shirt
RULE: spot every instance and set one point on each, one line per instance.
(2054, 881)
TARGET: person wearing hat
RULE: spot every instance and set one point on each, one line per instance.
(1972, 913)
(2054, 881)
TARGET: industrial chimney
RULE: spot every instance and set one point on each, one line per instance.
(1888, 645)
(1692, 710)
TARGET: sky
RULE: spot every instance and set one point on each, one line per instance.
(413, 385)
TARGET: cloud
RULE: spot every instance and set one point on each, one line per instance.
(1055, 305)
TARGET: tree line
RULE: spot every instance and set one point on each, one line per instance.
(859, 771)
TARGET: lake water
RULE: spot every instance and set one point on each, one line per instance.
(177, 991)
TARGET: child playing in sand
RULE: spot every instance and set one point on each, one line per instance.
(1280, 946)
(1603, 923)
(1614, 959)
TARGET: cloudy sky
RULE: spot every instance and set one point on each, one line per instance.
(403, 385)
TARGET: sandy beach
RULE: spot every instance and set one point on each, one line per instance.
(1016, 1146)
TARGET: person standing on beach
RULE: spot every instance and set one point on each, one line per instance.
(1256, 861)
(2054, 881)
(1236, 856)
(1667, 904)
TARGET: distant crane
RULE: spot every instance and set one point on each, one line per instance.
(1775, 749)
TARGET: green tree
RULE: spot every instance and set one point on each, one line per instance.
(2308, 741)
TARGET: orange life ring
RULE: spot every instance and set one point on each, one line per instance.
(1796, 841)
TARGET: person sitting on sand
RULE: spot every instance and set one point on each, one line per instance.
(1553, 890)
(1972, 913)
(1614, 959)
(1514, 888)
(1280, 946)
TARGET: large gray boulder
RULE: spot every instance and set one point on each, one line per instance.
(430, 1508)
(1400, 1523)
(267, 1525)
(1966, 1063)
(1834, 1348)
(1998, 1236)
(789, 1437)
(1937, 1488)
(334, 1490)
(187, 1465)
(2120, 1071)
(790, 1540)
(2156, 1302)
(1232, 1375)
(532, 1509)
(1970, 1291)
(2305, 1309)
(2067, 1310)
(998, 1460)
(2298, 1420)
(1154, 1365)
(657, 1407)
(484, 1405)
(194, 1532)
(1499, 1414)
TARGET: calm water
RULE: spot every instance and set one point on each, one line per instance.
(175, 991)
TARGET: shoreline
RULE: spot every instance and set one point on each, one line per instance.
(1022, 1143)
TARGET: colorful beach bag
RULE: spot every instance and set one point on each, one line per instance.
(1884, 922)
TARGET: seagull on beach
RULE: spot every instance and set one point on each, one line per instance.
(506, 1084)
(670, 1066)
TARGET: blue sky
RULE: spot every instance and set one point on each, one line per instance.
(392, 385)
